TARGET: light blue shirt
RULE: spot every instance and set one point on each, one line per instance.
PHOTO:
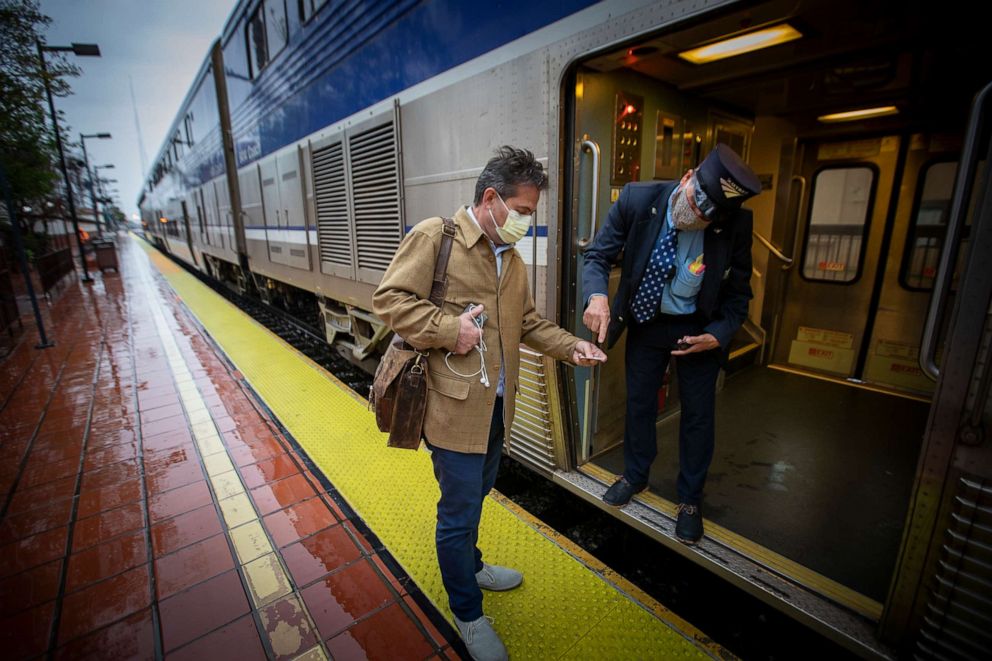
(498, 251)
(679, 295)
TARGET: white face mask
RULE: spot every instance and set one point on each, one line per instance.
(516, 225)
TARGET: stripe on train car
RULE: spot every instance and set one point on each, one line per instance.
(298, 236)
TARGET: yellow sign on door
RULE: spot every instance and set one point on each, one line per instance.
(822, 357)
(830, 338)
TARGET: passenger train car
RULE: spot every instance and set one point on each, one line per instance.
(851, 485)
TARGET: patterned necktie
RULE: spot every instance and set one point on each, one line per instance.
(661, 267)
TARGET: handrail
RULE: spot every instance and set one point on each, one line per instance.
(592, 146)
(789, 261)
(799, 210)
(963, 185)
(592, 384)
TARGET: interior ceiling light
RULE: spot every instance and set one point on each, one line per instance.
(744, 43)
(853, 115)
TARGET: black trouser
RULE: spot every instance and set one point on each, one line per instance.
(649, 347)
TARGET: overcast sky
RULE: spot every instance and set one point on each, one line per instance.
(160, 44)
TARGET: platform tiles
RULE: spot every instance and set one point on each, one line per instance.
(564, 609)
(150, 508)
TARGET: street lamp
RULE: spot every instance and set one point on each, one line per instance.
(89, 173)
(82, 50)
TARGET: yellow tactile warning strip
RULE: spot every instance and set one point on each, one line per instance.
(562, 610)
(260, 565)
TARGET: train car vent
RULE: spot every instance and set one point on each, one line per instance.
(958, 616)
(331, 199)
(532, 435)
(375, 187)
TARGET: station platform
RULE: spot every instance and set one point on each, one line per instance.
(177, 482)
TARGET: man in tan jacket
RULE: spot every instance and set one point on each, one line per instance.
(474, 356)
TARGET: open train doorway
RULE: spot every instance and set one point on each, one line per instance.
(823, 408)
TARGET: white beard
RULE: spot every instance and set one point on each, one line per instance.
(683, 217)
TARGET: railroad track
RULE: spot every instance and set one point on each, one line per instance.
(299, 334)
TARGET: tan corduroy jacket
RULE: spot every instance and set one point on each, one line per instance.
(459, 409)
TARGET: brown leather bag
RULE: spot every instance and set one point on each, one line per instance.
(399, 390)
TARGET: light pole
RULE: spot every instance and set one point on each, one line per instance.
(89, 173)
(83, 50)
(99, 183)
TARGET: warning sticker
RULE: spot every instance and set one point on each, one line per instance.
(830, 338)
(897, 350)
(822, 357)
(897, 372)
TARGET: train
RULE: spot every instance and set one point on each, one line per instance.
(852, 483)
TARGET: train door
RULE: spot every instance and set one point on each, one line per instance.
(854, 308)
(215, 236)
(282, 197)
(189, 231)
(818, 434)
(274, 223)
(251, 208)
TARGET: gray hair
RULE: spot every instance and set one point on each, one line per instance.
(509, 168)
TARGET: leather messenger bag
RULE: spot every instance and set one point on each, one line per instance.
(399, 390)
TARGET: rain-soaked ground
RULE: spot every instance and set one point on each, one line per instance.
(733, 618)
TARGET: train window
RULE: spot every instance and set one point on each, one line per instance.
(309, 7)
(177, 144)
(928, 227)
(267, 33)
(276, 28)
(838, 224)
(259, 55)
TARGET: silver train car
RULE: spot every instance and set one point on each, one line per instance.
(852, 484)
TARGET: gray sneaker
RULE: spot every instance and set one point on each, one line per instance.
(481, 639)
(494, 577)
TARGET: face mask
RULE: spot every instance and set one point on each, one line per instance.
(683, 217)
(515, 227)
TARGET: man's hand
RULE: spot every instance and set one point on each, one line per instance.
(469, 334)
(588, 354)
(697, 343)
(597, 315)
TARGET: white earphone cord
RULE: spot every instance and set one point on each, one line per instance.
(481, 348)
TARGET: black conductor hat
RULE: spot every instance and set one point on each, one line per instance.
(726, 180)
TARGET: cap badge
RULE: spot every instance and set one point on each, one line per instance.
(731, 189)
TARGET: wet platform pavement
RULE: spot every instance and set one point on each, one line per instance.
(151, 508)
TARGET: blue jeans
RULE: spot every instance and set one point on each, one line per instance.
(649, 348)
(465, 479)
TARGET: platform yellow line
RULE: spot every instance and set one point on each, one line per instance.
(267, 579)
(562, 610)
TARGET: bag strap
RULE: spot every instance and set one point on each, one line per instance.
(439, 286)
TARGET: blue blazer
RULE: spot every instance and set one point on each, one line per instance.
(630, 233)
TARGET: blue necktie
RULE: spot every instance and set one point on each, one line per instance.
(661, 267)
